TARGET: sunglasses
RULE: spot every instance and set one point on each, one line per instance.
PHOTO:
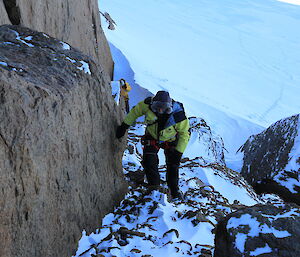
(162, 107)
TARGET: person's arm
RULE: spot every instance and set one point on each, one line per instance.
(139, 110)
(182, 129)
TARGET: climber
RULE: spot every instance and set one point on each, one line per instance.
(167, 128)
(125, 88)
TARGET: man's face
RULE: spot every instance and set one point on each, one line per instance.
(161, 107)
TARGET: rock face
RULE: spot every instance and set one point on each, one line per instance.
(260, 230)
(73, 21)
(272, 161)
(3, 14)
(60, 165)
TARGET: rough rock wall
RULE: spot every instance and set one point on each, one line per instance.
(76, 22)
(271, 160)
(3, 14)
(60, 165)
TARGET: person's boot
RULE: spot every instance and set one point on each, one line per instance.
(153, 187)
(176, 195)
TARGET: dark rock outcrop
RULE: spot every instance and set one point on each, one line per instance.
(60, 165)
(272, 162)
(260, 230)
(73, 21)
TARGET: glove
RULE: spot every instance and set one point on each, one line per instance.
(121, 130)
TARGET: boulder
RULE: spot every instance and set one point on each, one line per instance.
(73, 21)
(271, 160)
(260, 230)
(60, 164)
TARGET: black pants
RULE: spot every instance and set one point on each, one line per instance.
(127, 105)
(150, 164)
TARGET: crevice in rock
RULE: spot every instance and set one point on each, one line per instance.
(13, 11)
(26, 215)
(95, 28)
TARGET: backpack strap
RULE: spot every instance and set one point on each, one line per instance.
(179, 113)
(148, 100)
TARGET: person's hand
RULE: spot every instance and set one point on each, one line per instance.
(121, 130)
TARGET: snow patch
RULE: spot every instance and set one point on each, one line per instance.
(296, 2)
(261, 250)
(255, 228)
(115, 90)
(293, 166)
(84, 67)
(291, 213)
(225, 187)
(7, 43)
(65, 46)
(10, 67)
(29, 38)
(18, 37)
(71, 60)
(4, 64)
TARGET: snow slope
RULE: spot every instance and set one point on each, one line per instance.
(296, 2)
(233, 63)
(148, 223)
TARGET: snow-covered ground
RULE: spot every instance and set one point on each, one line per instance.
(296, 2)
(233, 63)
(148, 223)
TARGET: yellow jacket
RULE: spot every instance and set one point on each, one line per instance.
(177, 126)
(125, 88)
